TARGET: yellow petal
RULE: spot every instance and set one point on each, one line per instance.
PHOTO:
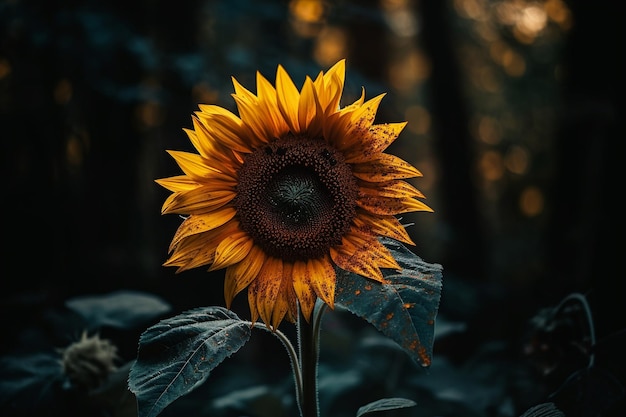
(264, 289)
(373, 141)
(200, 200)
(240, 275)
(255, 118)
(385, 206)
(202, 223)
(377, 252)
(356, 259)
(376, 225)
(364, 116)
(242, 92)
(393, 189)
(256, 112)
(288, 99)
(338, 123)
(303, 286)
(307, 109)
(265, 90)
(254, 312)
(361, 119)
(320, 89)
(178, 183)
(285, 298)
(185, 251)
(333, 85)
(384, 167)
(334, 127)
(215, 153)
(268, 100)
(231, 250)
(214, 180)
(323, 279)
(198, 250)
(338, 70)
(350, 108)
(193, 165)
(226, 128)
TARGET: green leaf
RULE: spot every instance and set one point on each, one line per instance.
(176, 355)
(384, 405)
(123, 309)
(30, 384)
(404, 308)
(543, 410)
(258, 400)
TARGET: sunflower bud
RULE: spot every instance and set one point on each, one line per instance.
(88, 362)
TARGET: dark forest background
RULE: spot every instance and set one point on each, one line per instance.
(516, 119)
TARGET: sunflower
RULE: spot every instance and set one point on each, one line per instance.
(288, 190)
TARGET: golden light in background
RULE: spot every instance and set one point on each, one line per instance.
(149, 114)
(418, 119)
(409, 70)
(487, 129)
(74, 151)
(75, 148)
(478, 69)
(532, 21)
(63, 91)
(400, 17)
(487, 80)
(5, 68)
(310, 11)
(512, 62)
(526, 19)
(471, 9)
(330, 46)
(531, 201)
(203, 93)
(491, 166)
(307, 17)
(516, 159)
(559, 13)
(486, 31)
(395, 4)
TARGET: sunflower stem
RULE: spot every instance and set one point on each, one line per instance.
(582, 301)
(293, 359)
(308, 343)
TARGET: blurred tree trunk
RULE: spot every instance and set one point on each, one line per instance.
(587, 234)
(464, 253)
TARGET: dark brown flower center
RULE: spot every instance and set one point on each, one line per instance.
(296, 198)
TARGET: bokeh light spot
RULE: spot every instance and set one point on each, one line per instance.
(307, 17)
(149, 114)
(331, 45)
(516, 159)
(63, 92)
(488, 130)
(531, 202)
(74, 151)
(418, 119)
(491, 166)
(413, 68)
(5, 68)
